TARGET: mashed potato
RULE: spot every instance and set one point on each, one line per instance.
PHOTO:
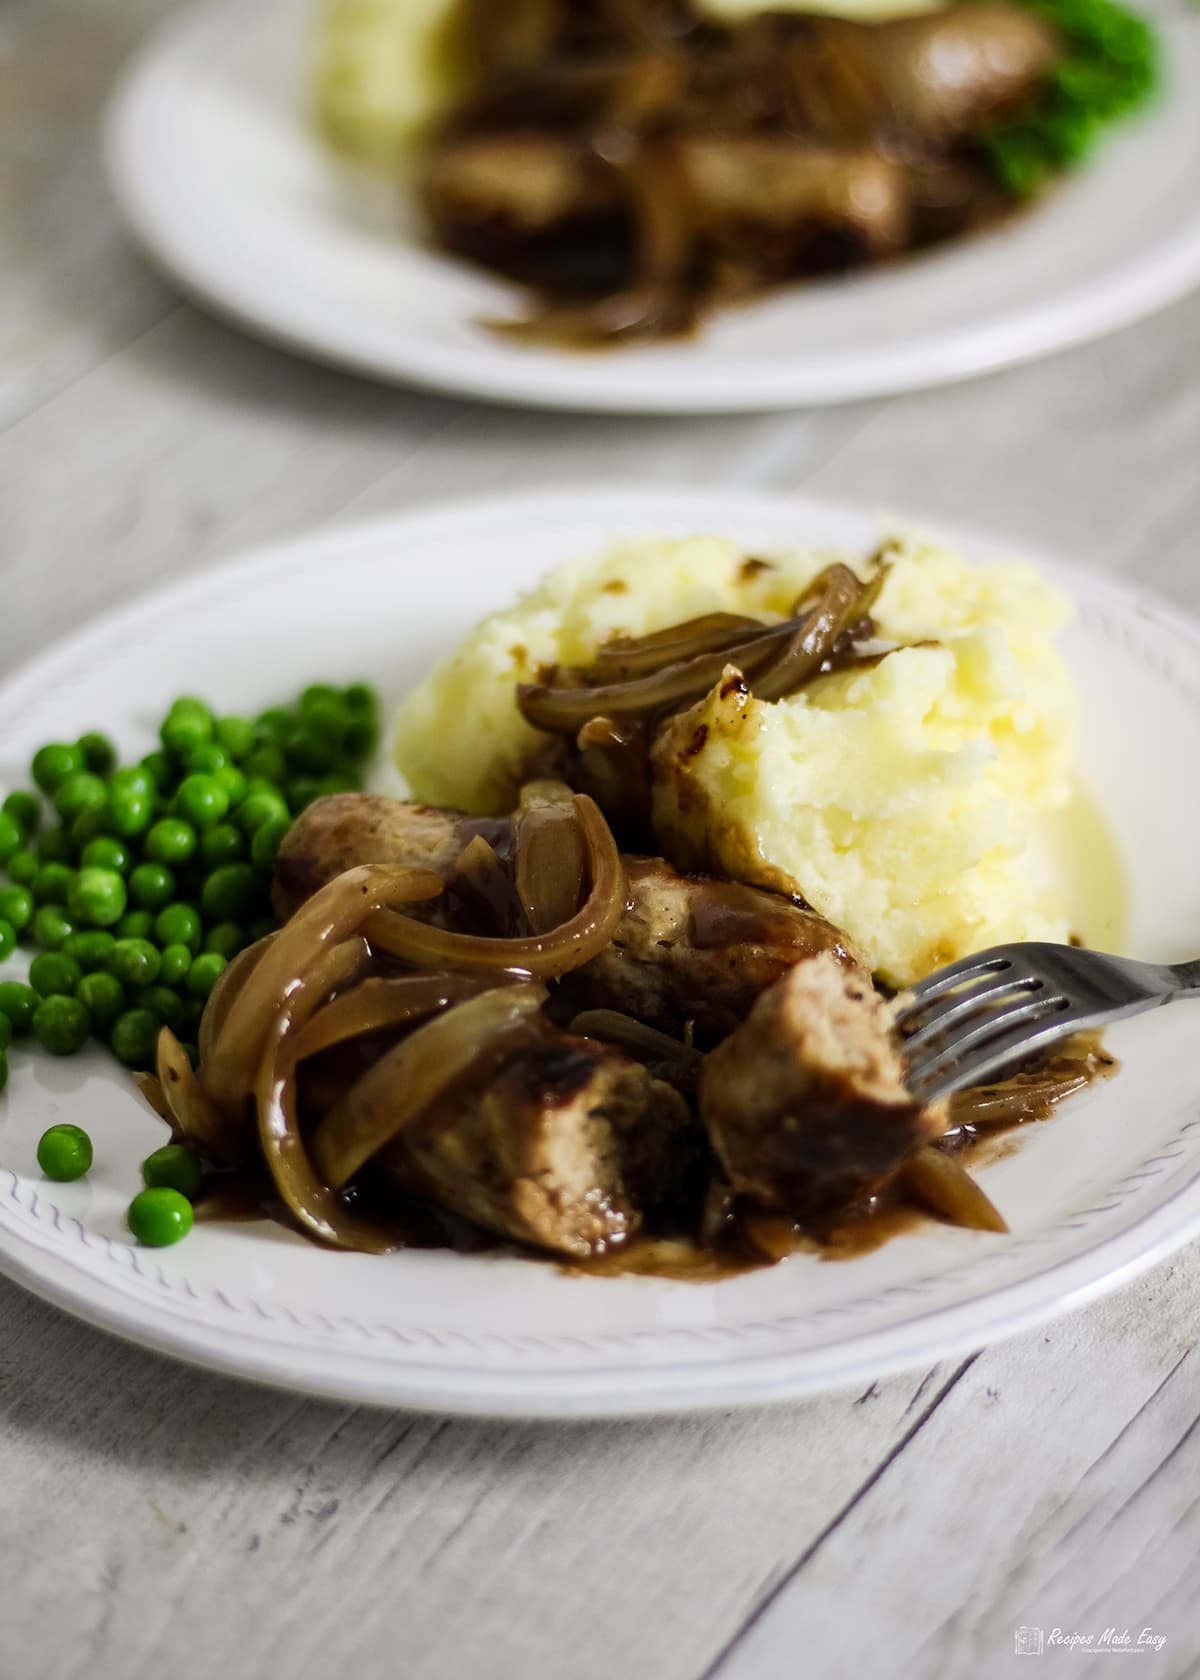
(899, 799)
(385, 69)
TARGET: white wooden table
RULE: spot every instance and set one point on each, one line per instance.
(156, 1520)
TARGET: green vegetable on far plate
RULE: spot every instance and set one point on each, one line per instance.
(1110, 69)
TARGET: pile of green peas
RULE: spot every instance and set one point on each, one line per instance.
(136, 885)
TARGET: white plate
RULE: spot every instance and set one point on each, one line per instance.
(212, 154)
(1102, 1190)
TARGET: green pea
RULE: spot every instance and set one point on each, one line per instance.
(233, 781)
(54, 975)
(361, 699)
(221, 844)
(302, 791)
(207, 758)
(8, 939)
(179, 924)
(54, 846)
(25, 809)
(61, 1025)
(231, 894)
(308, 749)
(204, 973)
(78, 793)
(134, 1036)
(135, 962)
(89, 947)
(163, 1003)
(176, 960)
(186, 725)
(174, 1167)
(226, 939)
(171, 841)
(130, 809)
(236, 735)
(64, 1153)
(268, 839)
(272, 724)
(53, 763)
(137, 778)
(344, 778)
(317, 695)
(52, 883)
(23, 867)
(157, 767)
(88, 826)
(258, 808)
(99, 754)
(135, 924)
(12, 836)
(103, 996)
(106, 853)
(362, 738)
(159, 1217)
(267, 763)
(16, 906)
(152, 886)
(201, 800)
(18, 1001)
(51, 927)
(6, 1032)
(97, 897)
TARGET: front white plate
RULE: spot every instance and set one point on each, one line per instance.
(213, 156)
(1102, 1190)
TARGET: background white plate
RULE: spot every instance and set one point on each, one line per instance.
(213, 157)
(1102, 1190)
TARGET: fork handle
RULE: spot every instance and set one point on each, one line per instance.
(1187, 977)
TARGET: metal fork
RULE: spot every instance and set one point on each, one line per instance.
(974, 1018)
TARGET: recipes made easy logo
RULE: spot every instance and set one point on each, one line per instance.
(1035, 1641)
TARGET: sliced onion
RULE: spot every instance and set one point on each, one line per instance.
(645, 1044)
(623, 657)
(329, 916)
(838, 600)
(318, 1210)
(550, 855)
(375, 1004)
(192, 1110)
(542, 956)
(565, 710)
(151, 1088)
(614, 767)
(485, 886)
(941, 1183)
(1028, 1097)
(405, 1081)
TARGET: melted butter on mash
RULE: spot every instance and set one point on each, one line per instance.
(902, 799)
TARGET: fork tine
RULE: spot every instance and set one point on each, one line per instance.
(994, 961)
(936, 1017)
(1002, 1030)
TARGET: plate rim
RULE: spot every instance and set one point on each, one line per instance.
(1088, 311)
(617, 1389)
